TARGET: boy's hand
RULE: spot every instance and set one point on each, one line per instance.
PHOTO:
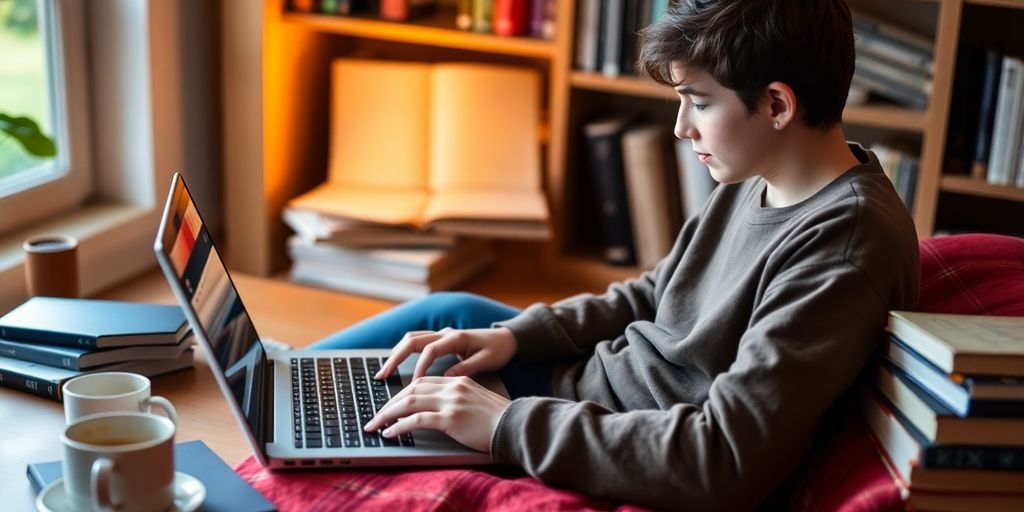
(457, 406)
(478, 350)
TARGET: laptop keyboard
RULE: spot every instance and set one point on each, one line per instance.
(333, 398)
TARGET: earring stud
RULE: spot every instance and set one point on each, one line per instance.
(775, 124)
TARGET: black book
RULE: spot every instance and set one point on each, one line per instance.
(988, 95)
(962, 129)
(225, 490)
(604, 145)
(630, 28)
(93, 323)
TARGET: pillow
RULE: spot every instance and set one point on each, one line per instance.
(973, 275)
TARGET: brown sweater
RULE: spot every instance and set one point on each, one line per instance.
(700, 384)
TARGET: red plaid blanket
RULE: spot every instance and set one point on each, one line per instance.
(496, 489)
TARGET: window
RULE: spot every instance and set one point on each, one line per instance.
(42, 78)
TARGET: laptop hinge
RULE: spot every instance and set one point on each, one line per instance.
(268, 402)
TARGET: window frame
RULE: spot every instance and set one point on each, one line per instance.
(70, 180)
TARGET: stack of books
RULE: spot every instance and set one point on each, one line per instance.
(947, 410)
(892, 63)
(48, 340)
(421, 159)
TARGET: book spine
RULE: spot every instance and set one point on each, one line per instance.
(464, 15)
(394, 10)
(630, 27)
(610, 188)
(329, 6)
(48, 337)
(908, 58)
(30, 384)
(537, 15)
(1001, 458)
(611, 31)
(895, 91)
(871, 27)
(587, 35)
(986, 113)
(549, 26)
(1004, 128)
(694, 179)
(27, 352)
(483, 16)
(510, 17)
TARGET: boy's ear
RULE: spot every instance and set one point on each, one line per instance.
(780, 104)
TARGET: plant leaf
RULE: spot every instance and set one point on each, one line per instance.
(27, 132)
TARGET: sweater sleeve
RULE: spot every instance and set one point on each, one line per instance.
(808, 337)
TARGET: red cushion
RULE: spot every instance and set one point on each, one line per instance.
(969, 274)
(973, 275)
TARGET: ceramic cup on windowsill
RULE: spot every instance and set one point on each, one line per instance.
(51, 266)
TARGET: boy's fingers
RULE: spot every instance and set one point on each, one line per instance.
(411, 342)
(468, 366)
(446, 345)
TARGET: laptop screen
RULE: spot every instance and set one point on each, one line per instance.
(223, 322)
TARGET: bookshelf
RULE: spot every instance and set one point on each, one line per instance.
(288, 55)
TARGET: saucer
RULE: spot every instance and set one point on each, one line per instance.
(189, 493)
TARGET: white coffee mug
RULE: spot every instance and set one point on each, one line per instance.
(119, 461)
(111, 391)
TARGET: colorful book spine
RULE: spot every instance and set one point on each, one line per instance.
(67, 339)
(510, 17)
(483, 16)
(330, 6)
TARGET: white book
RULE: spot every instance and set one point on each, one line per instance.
(1007, 127)
(612, 31)
(587, 35)
(409, 264)
(694, 178)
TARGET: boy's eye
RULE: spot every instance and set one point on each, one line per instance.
(699, 107)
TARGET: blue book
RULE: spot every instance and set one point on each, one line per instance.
(225, 490)
(971, 396)
(937, 422)
(93, 323)
(74, 358)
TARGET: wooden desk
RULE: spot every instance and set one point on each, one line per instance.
(30, 427)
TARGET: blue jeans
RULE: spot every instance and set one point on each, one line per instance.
(458, 310)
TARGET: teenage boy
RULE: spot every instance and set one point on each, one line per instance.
(700, 384)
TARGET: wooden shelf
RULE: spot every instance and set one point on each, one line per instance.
(884, 116)
(1013, 4)
(621, 85)
(974, 187)
(438, 30)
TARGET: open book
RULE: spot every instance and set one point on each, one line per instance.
(452, 148)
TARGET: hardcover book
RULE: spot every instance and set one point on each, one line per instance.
(46, 381)
(93, 323)
(449, 148)
(964, 344)
(965, 396)
(653, 192)
(604, 146)
(936, 422)
(922, 464)
(225, 490)
(74, 358)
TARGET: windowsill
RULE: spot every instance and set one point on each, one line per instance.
(110, 236)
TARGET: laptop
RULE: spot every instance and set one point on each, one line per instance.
(297, 408)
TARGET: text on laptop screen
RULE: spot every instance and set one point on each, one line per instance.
(216, 305)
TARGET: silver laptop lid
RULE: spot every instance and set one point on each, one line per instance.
(211, 303)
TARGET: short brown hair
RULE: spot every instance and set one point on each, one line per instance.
(747, 44)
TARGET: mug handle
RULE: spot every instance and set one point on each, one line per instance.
(102, 499)
(164, 404)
